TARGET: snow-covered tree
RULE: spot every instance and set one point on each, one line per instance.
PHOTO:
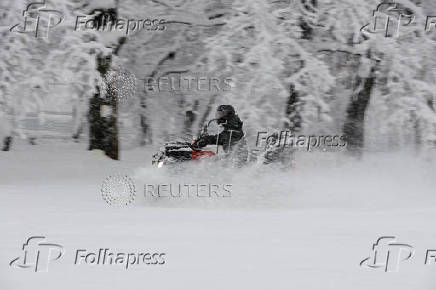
(385, 75)
(262, 48)
(173, 54)
(22, 74)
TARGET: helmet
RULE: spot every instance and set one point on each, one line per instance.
(224, 111)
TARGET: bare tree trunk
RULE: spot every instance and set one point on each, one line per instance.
(7, 141)
(112, 142)
(282, 154)
(146, 137)
(77, 120)
(306, 29)
(77, 132)
(417, 134)
(354, 125)
(293, 122)
(7, 125)
(103, 113)
(190, 118)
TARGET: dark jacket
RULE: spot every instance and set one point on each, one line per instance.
(231, 134)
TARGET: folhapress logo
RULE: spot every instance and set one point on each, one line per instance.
(38, 19)
(387, 255)
(37, 254)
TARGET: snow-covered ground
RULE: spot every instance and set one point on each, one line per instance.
(308, 228)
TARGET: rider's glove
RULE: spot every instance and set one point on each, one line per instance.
(199, 143)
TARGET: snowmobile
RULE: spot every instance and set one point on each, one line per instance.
(178, 151)
(182, 151)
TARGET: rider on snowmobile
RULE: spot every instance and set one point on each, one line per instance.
(232, 133)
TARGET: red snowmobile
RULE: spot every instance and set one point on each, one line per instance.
(180, 151)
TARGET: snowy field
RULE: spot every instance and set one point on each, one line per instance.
(304, 229)
(318, 70)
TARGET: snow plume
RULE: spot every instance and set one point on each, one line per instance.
(319, 180)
